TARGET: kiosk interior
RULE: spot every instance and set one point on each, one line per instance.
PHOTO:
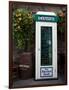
(46, 45)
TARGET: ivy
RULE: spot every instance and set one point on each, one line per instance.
(22, 28)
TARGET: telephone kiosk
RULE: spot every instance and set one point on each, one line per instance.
(46, 45)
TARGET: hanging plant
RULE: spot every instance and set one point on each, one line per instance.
(61, 23)
(22, 28)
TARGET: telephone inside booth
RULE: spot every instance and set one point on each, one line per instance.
(46, 45)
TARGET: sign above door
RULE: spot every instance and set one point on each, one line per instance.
(47, 17)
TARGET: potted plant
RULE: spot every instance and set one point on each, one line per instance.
(23, 38)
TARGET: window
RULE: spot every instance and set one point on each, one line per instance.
(46, 45)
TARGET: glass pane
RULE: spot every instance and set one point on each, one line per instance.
(46, 45)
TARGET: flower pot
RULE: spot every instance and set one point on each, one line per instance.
(25, 65)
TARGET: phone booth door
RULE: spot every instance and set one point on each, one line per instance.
(46, 50)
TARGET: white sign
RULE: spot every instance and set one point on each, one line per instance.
(46, 72)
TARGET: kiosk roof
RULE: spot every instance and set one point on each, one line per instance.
(46, 13)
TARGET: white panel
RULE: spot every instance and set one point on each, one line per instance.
(54, 32)
(38, 49)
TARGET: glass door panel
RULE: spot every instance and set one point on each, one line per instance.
(46, 45)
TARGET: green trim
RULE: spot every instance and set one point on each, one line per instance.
(45, 18)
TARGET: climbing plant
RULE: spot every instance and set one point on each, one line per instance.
(61, 22)
(22, 28)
